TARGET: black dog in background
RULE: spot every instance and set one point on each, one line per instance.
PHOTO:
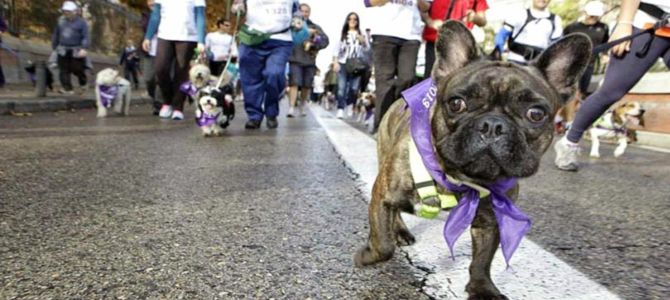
(31, 68)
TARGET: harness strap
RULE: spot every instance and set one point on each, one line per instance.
(431, 200)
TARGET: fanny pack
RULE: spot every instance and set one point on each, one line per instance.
(253, 37)
(654, 11)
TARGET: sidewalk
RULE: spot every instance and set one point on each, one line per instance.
(20, 98)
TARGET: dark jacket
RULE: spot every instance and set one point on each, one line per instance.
(308, 58)
(3, 27)
(71, 34)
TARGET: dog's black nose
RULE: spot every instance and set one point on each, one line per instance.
(492, 127)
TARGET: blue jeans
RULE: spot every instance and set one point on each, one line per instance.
(262, 75)
(347, 87)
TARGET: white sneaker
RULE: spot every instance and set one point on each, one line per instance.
(340, 113)
(301, 109)
(290, 113)
(177, 115)
(567, 155)
(166, 111)
(350, 111)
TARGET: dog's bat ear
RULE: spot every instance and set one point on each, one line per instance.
(564, 62)
(455, 48)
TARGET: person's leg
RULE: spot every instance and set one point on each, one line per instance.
(64, 71)
(163, 66)
(274, 74)
(430, 59)
(406, 66)
(621, 75)
(341, 95)
(385, 52)
(354, 85)
(306, 88)
(183, 55)
(294, 81)
(252, 63)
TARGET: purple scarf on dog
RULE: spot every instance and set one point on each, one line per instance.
(207, 119)
(512, 222)
(108, 94)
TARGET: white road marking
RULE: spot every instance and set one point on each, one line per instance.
(534, 273)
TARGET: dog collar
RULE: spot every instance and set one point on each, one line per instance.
(512, 222)
(207, 119)
(108, 94)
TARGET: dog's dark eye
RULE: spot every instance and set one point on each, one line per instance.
(536, 115)
(457, 105)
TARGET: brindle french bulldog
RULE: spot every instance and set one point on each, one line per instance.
(491, 120)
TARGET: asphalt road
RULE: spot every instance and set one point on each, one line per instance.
(138, 208)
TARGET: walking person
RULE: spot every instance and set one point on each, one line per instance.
(220, 47)
(130, 60)
(148, 61)
(180, 28)
(350, 51)
(628, 62)
(319, 87)
(471, 12)
(396, 34)
(529, 32)
(263, 61)
(302, 63)
(597, 31)
(70, 41)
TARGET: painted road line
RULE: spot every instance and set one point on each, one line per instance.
(534, 274)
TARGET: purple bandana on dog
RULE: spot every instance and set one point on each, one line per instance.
(108, 94)
(188, 88)
(512, 222)
(207, 119)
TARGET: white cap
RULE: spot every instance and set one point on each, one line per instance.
(69, 6)
(594, 8)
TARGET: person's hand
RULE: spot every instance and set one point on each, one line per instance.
(604, 59)
(238, 6)
(313, 31)
(361, 38)
(469, 16)
(146, 44)
(336, 67)
(308, 45)
(436, 24)
(201, 49)
(622, 30)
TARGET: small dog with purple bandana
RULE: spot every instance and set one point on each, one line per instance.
(112, 91)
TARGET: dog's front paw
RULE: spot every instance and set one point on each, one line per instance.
(404, 238)
(365, 256)
(483, 290)
(618, 152)
(594, 155)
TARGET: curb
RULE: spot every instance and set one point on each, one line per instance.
(7, 106)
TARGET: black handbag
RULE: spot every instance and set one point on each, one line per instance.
(355, 66)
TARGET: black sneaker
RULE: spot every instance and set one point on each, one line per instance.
(252, 124)
(272, 122)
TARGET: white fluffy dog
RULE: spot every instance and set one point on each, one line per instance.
(200, 75)
(112, 91)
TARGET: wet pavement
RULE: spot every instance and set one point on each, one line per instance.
(141, 208)
(138, 208)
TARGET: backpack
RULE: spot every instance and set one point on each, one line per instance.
(531, 18)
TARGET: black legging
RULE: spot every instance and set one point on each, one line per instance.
(180, 53)
(621, 75)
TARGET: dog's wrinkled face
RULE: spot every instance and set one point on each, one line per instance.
(493, 120)
(199, 75)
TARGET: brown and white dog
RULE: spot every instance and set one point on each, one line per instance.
(614, 124)
(365, 109)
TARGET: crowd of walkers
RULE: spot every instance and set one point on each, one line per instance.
(278, 44)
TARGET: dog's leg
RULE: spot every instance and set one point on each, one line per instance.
(381, 242)
(595, 144)
(126, 102)
(621, 148)
(402, 235)
(485, 240)
(102, 111)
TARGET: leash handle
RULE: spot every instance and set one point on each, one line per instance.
(238, 16)
(651, 30)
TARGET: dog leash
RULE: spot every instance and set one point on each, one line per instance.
(661, 23)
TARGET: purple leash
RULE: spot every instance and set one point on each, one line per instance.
(512, 222)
